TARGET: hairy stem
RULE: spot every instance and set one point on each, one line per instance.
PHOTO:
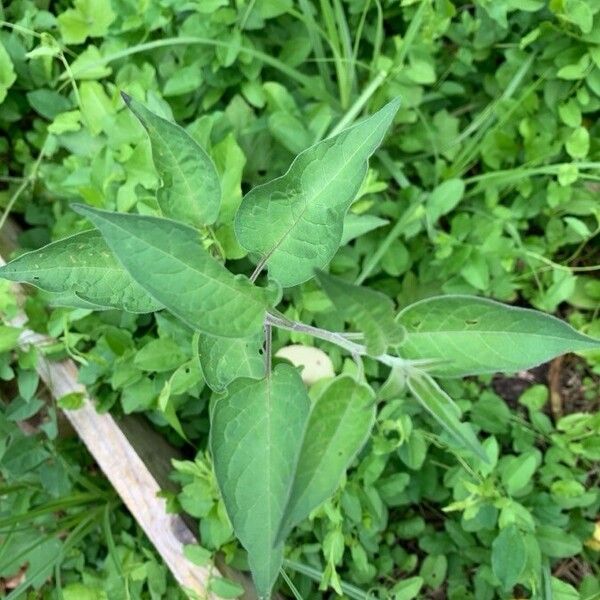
(340, 339)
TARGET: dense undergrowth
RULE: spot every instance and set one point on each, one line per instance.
(487, 185)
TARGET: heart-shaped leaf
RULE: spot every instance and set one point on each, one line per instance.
(168, 259)
(295, 223)
(256, 431)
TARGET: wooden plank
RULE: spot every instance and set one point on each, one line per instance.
(137, 461)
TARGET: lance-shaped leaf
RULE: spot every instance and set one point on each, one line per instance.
(339, 424)
(256, 432)
(470, 336)
(168, 259)
(83, 271)
(370, 311)
(191, 190)
(443, 409)
(225, 359)
(295, 222)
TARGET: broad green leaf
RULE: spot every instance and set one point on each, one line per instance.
(88, 18)
(168, 259)
(517, 471)
(443, 409)
(191, 191)
(7, 72)
(444, 198)
(256, 432)
(370, 311)
(508, 556)
(556, 542)
(338, 427)
(471, 336)
(295, 222)
(81, 268)
(225, 359)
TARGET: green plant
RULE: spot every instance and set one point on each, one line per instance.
(276, 456)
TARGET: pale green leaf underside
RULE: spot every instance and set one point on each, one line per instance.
(443, 409)
(81, 270)
(372, 312)
(256, 431)
(471, 336)
(339, 424)
(226, 359)
(167, 258)
(70, 300)
(191, 190)
(295, 223)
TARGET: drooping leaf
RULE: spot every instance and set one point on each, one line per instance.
(226, 359)
(443, 409)
(471, 336)
(295, 222)
(167, 258)
(256, 432)
(84, 273)
(339, 425)
(509, 556)
(191, 191)
(371, 312)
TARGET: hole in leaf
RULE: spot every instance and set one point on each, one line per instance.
(471, 321)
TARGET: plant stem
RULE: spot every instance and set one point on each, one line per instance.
(360, 102)
(339, 339)
(30, 179)
(268, 345)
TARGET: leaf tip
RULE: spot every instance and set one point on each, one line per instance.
(126, 98)
(82, 209)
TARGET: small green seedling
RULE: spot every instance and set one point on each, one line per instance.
(277, 456)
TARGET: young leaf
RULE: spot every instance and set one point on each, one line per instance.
(471, 336)
(191, 191)
(357, 225)
(338, 426)
(295, 222)
(84, 272)
(442, 408)
(225, 359)
(167, 258)
(509, 556)
(371, 312)
(256, 432)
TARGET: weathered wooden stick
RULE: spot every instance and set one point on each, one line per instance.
(135, 458)
(133, 480)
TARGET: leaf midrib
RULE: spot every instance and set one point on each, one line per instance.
(174, 159)
(412, 334)
(185, 264)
